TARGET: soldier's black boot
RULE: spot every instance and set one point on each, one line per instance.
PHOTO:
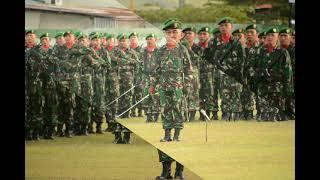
(166, 171)
(59, 130)
(49, 133)
(214, 115)
(133, 113)
(117, 138)
(126, 138)
(84, 130)
(167, 136)
(36, 134)
(98, 128)
(156, 117)
(90, 128)
(140, 112)
(179, 172)
(192, 115)
(225, 116)
(29, 135)
(67, 131)
(201, 118)
(176, 134)
(149, 117)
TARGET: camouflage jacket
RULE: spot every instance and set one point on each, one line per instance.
(173, 67)
(127, 60)
(148, 69)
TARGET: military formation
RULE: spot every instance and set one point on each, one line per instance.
(72, 85)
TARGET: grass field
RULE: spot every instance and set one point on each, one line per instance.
(241, 150)
(93, 157)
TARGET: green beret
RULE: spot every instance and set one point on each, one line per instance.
(122, 36)
(133, 34)
(190, 28)
(58, 34)
(215, 30)
(82, 36)
(251, 26)
(204, 29)
(285, 30)
(172, 23)
(272, 30)
(240, 30)
(150, 35)
(67, 33)
(263, 33)
(104, 35)
(30, 31)
(109, 36)
(225, 20)
(77, 33)
(44, 35)
(94, 35)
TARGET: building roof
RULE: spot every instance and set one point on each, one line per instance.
(112, 12)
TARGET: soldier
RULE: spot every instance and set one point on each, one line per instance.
(137, 92)
(227, 54)
(293, 38)
(174, 71)
(209, 77)
(275, 73)
(239, 35)
(262, 37)
(285, 43)
(193, 95)
(166, 167)
(68, 83)
(127, 61)
(34, 72)
(87, 60)
(30, 42)
(215, 32)
(152, 104)
(99, 72)
(252, 49)
(111, 84)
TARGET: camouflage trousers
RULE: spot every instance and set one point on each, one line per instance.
(126, 83)
(85, 100)
(173, 109)
(163, 157)
(136, 96)
(50, 105)
(111, 94)
(98, 100)
(246, 97)
(66, 99)
(151, 105)
(193, 95)
(34, 121)
(230, 95)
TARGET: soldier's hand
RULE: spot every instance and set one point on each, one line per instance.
(151, 90)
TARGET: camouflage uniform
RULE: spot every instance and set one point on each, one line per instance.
(138, 91)
(290, 100)
(34, 70)
(192, 97)
(111, 91)
(102, 64)
(275, 75)
(152, 104)
(209, 82)
(172, 75)
(68, 86)
(228, 58)
(127, 61)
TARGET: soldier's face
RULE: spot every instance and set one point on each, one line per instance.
(285, 39)
(133, 40)
(83, 42)
(95, 42)
(251, 35)
(203, 36)
(173, 35)
(272, 39)
(60, 40)
(123, 43)
(225, 28)
(45, 41)
(151, 42)
(69, 38)
(30, 38)
(103, 41)
(110, 42)
(190, 36)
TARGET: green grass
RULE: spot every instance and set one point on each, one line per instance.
(92, 157)
(240, 150)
